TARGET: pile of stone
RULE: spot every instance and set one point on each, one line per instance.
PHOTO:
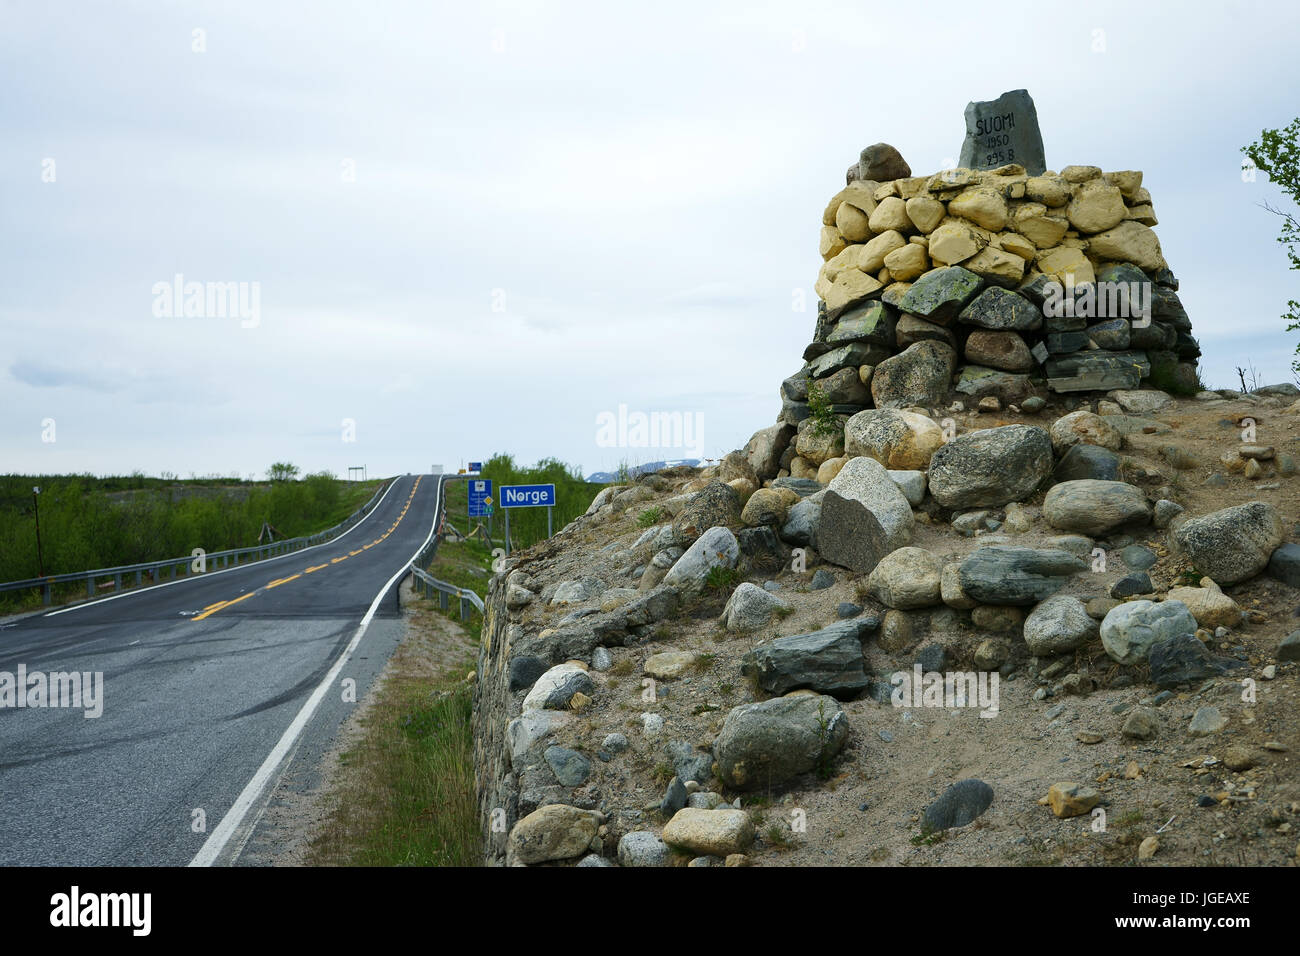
(1003, 282)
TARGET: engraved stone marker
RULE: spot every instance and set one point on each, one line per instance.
(1003, 131)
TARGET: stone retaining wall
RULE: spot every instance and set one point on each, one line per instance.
(496, 784)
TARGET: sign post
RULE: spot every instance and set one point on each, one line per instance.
(527, 496)
(480, 497)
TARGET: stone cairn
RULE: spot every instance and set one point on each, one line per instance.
(1004, 282)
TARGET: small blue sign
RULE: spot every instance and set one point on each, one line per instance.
(476, 466)
(480, 491)
(527, 496)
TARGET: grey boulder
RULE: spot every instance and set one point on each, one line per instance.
(828, 661)
(1129, 631)
(1233, 544)
(1005, 575)
(991, 467)
(1059, 624)
(764, 744)
(1092, 507)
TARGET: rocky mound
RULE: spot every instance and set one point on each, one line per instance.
(709, 660)
(997, 283)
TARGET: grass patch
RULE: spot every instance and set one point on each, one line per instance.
(1130, 819)
(779, 837)
(408, 794)
(649, 517)
(720, 578)
(704, 661)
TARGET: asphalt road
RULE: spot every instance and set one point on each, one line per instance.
(205, 686)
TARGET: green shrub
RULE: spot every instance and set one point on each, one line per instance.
(819, 410)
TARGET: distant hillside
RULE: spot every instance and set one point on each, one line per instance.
(609, 477)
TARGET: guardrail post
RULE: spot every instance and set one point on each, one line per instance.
(90, 586)
(139, 576)
(442, 600)
(46, 597)
(117, 581)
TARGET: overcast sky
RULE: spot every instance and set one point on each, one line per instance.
(477, 227)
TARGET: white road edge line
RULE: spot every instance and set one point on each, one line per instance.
(213, 574)
(217, 840)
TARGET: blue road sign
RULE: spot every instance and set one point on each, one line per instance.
(527, 496)
(480, 493)
(476, 466)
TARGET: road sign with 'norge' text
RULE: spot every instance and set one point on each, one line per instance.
(527, 496)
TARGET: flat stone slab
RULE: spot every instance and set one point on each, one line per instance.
(1001, 131)
(828, 661)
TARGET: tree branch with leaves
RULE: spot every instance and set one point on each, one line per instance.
(1277, 153)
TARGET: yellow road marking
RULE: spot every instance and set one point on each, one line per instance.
(316, 568)
(276, 583)
(337, 560)
(222, 605)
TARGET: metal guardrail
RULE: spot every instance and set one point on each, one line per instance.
(424, 582)
(159, 570)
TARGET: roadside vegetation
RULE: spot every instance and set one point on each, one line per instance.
(88, 522)
(405, 794)
(527, 525)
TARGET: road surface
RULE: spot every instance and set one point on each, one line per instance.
(211, 686)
